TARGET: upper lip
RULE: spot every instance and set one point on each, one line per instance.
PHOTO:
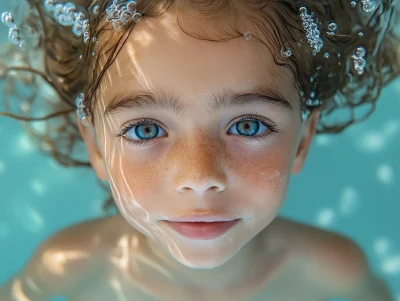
(202, 217)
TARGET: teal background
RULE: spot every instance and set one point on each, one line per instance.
(350, 184)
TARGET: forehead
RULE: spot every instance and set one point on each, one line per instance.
(159, 55)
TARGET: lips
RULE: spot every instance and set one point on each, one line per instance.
(202, 217)
(202, 230)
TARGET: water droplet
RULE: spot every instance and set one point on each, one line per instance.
(131, 6)
(303, 10)
(326, 55)
(353, 4)
(81, 57)
(7, 19)
(286, 53)
(360, 52)
(247, 35)
(96, 9)
(332, 26)
(361, 34)
(369, 5)
(359, 64)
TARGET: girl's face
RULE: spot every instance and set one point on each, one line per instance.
(196, 158)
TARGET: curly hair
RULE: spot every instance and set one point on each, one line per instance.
(58, 66)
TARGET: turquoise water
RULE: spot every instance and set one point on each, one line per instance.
(350, 184)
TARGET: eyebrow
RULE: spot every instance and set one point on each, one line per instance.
(167, 101)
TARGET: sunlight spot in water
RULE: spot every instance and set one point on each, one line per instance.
(2, 167)
(38, 187)
(25, 145)
(372, 142)
(325, 217)
(381, 246)
(323, 140)
(348, 200)
(40, 127)
(391, 265)
(385, 174)
(29, 218)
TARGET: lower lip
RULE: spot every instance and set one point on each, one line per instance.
(202, 230)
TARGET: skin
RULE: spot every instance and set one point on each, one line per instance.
(196, 165)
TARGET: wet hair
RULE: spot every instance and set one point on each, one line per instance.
(54, 73)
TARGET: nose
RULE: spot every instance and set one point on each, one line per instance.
(200, 169)
(200, 187)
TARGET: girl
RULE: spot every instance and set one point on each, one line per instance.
(215, 103)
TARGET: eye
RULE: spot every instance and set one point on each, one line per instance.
(144, 131)
(249, 125)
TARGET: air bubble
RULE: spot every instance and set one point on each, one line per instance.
(247, 35)
(286, 53)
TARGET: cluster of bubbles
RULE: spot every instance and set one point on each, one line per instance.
(315, 41)
(82, 111)
(14, 34)
(312, 31)
(359, 62)
(123, 13)
(69, 15)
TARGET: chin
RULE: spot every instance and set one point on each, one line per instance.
(201, 257)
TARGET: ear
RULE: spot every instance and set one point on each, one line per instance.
(96, 159)
(308, 134)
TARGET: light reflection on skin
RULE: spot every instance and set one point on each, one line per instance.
(147, 182)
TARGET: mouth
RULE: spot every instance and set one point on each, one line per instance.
(201, 230)
(205, 217)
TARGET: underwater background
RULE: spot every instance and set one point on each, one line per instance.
(350, 184)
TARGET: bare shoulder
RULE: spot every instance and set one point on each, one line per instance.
(90, 235)
(76, 243)
(68, 256)
(331, 260)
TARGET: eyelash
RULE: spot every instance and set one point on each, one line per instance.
(271, 126)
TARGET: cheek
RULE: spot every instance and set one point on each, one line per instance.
(266, 172)
(142, 176)
(134, 179)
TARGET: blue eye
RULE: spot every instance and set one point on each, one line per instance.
(147, 130)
